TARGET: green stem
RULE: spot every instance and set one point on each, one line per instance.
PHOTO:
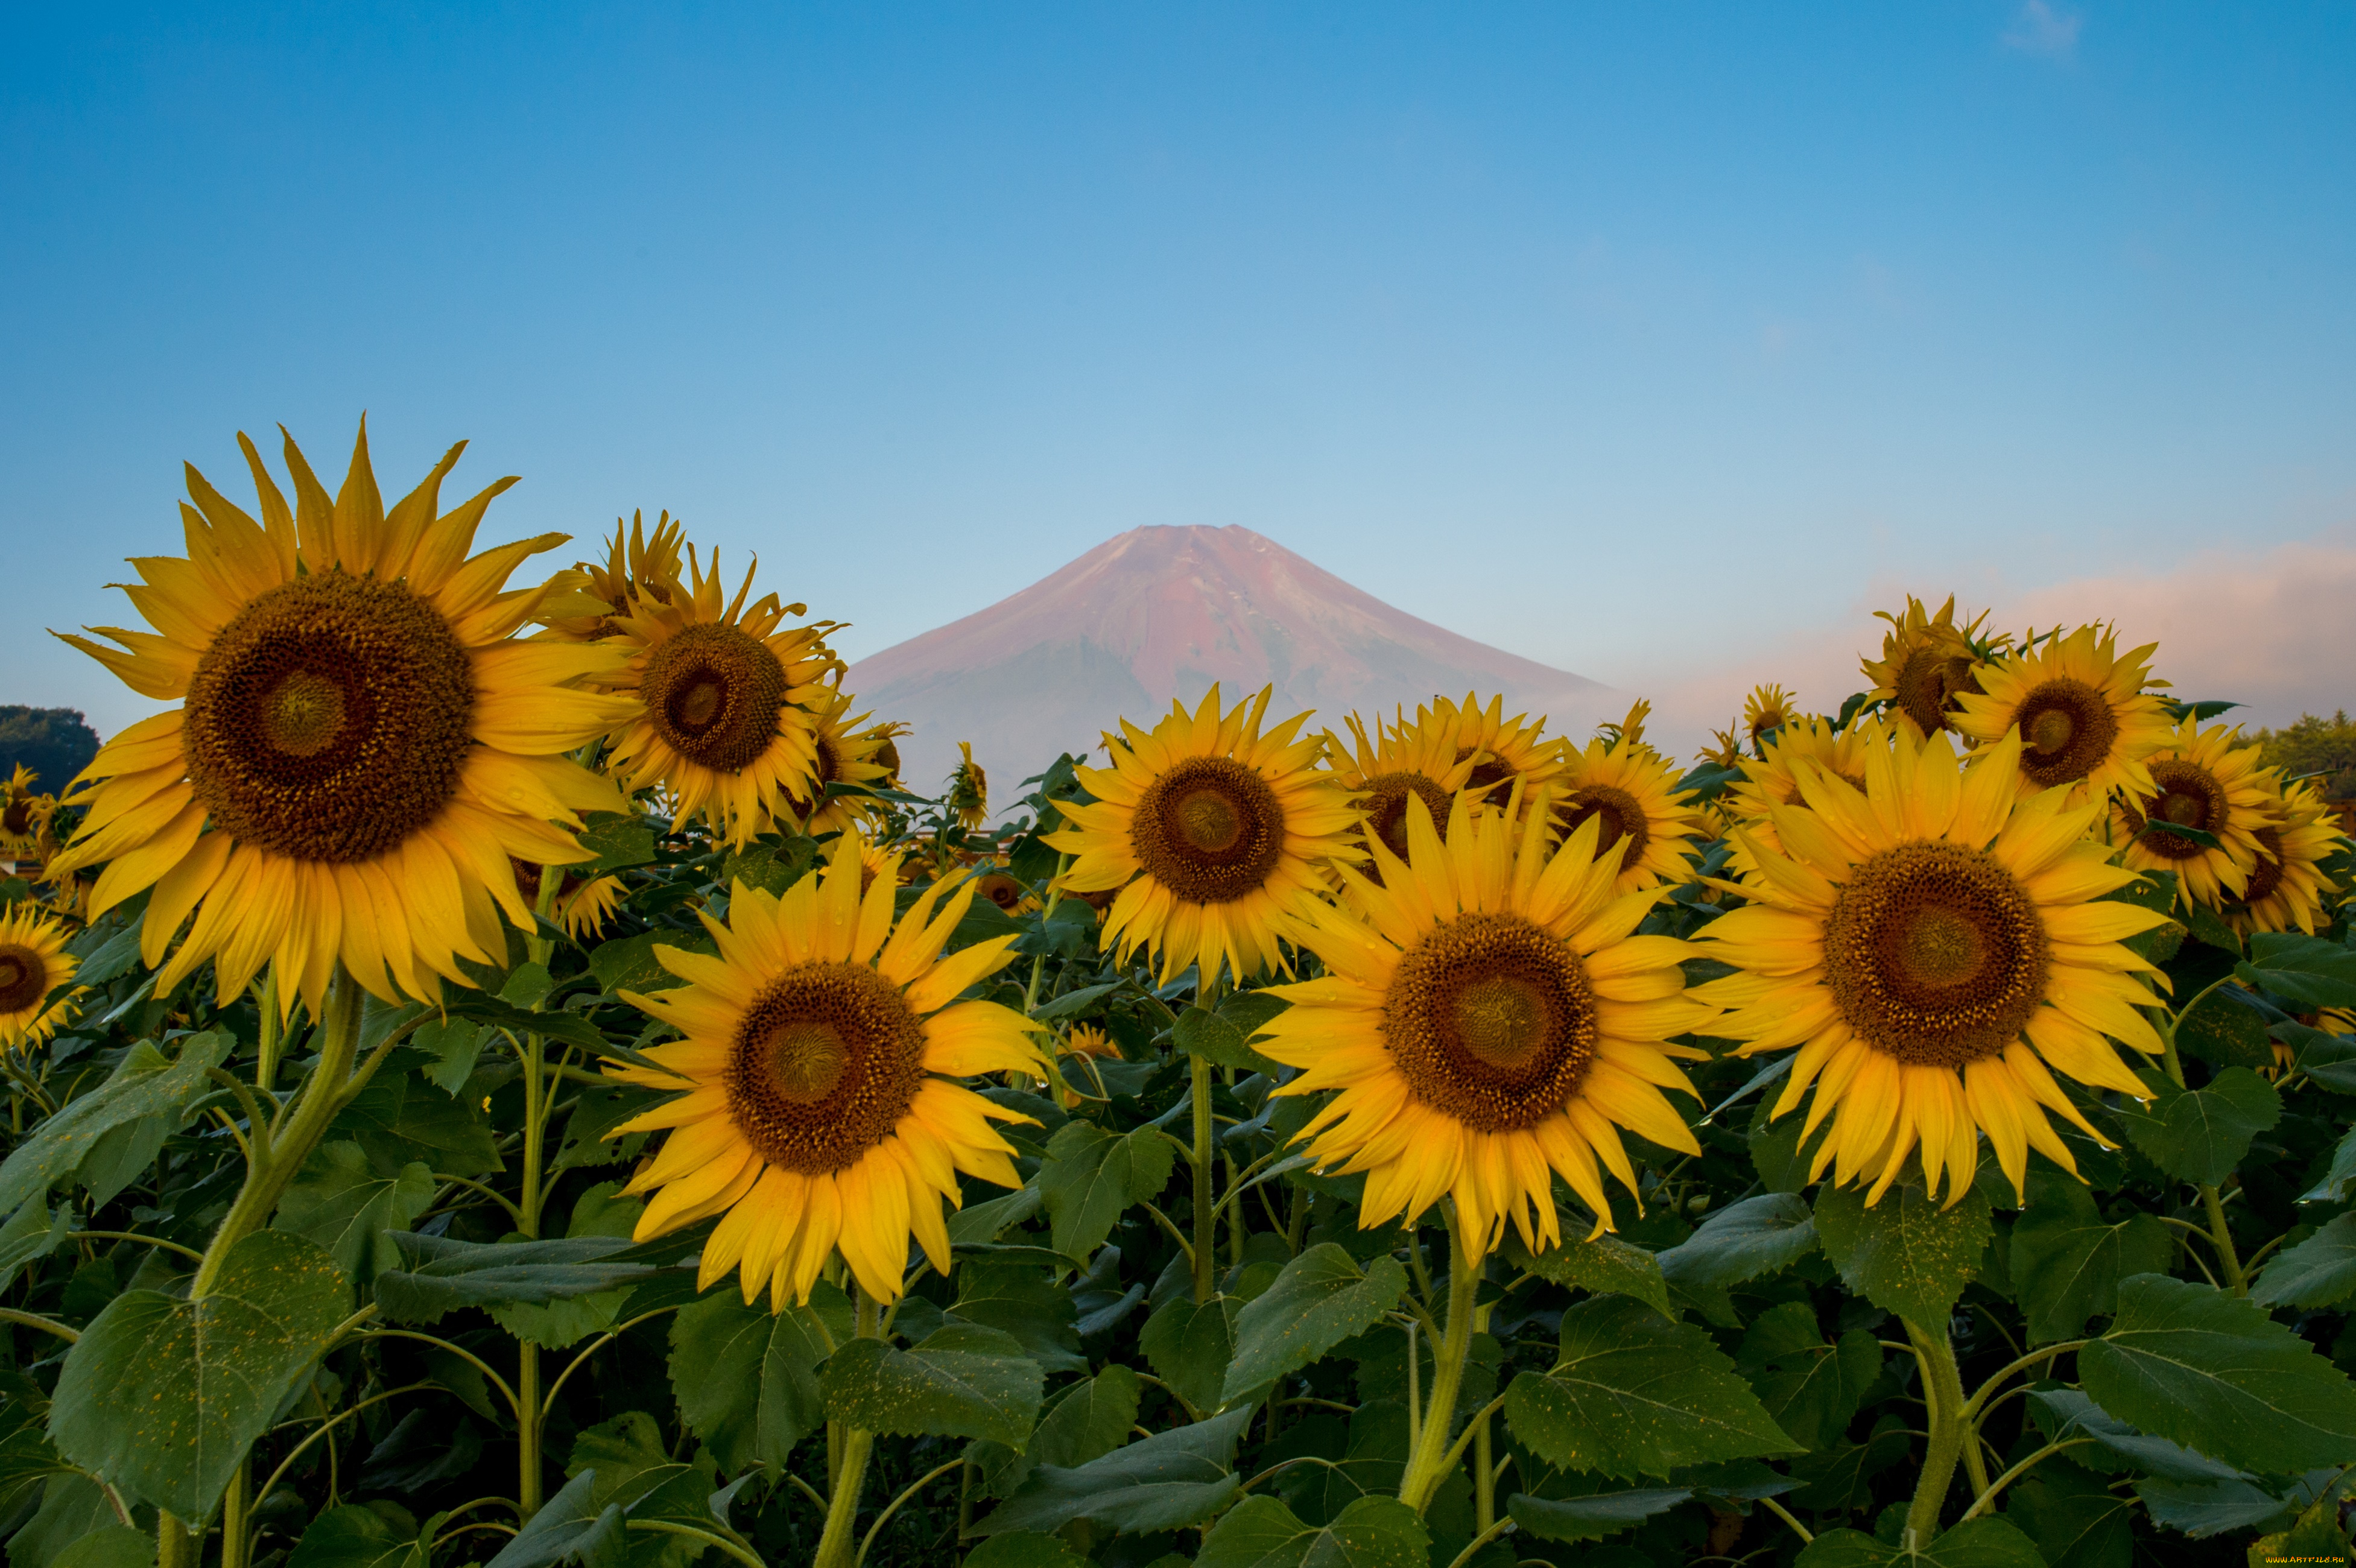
(1434, 1455)
(1206, 1257)
(836, 1546)
(265, 1067)
(1948, 1426)
(1485, 1475)
(1039, 959)
(2223, 1235)
(233, 1552)
(530, 1050)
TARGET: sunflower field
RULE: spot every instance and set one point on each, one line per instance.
(504, 1070)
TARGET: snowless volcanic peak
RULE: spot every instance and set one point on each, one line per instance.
(1159, 614)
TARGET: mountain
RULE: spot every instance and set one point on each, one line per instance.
(1160, 612)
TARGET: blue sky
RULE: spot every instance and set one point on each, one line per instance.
(1644, 341)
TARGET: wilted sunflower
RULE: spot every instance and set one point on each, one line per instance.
(637, 569)
(1927, 663)
(2202, 781)
(1630, 790)
(1401, 762)
(1213, 833)
(2286, 882)
(1767, 708)
(968, 790)
(1770, 780)
(360, 744)
(1487, 1021)
(33, 964)
(2086, 724)
(729, 689)
(845, 754)
(820, 1115)
(1501, 751)
(1934, 946)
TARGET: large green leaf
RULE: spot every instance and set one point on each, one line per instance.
(110, 1546)
(746, 1378)
(1372, 1532)
(961, 1380)
(2339, 1183)
(1742, 1241)
(568, 1528)
(2063, 1413)
(344, 1205)
(1024, 1304)
(1605, 1264)
(1593, 1516)
(1975, 1544)
(602, 1211)
(1091, 1176)
(1320, 1300)
(1189, 1346)
(2213, 1372)
(2226, 1030)
(2202, 1509)
(32, 1233)
(2201, 1135)
(356, 1537)
(2074, 1516)
(1089, 1419)
(1809, 1387)
(146, 1084)
(1907, 1254)
(400, 1116)
(440, 1275)
(163, 1397)
(2318, 1272)
(1217, 1041)
(1168, 1482)
(2066, 1260)
(2308, 970)
(630, 1468)
(1636, 1395)
(1024, 1549)
(616, 842)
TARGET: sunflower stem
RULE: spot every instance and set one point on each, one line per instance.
(532, 1051)
(1948, 1422)
(1206, 1257)
(1039, 959)
(837, 1547)
(265, 1065)
(1434, 1455)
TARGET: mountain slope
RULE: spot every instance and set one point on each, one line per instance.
(1160, 612)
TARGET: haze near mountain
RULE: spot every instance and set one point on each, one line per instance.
(1159, 614)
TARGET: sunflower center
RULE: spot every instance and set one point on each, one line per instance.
(24, 978)
(824, 1064)
(2066, 731)
(328, 720)
(1491, 1020)
(1621, 817)
(712, 693)
(1936, 955)
(2190, 797)
(1492, 782)
(1387, 798)
(1209, 829)
(17, 818)
(1928, 683)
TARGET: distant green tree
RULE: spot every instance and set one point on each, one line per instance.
(2320, 746)
(55, 743)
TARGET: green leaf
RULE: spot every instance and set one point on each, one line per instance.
(399, 1117)
(2318, 1272)
(2066, 1260)
(2309, 970)
(2330, 1059)
(2074, 1518)
(1167, 1481)
(1906, 1253)
(1604, 1265)
(337, 1202)
(628, 963)
(1089, 1419)
(32, 1233)
(1372, 1532)
(2201, 1135)
(962, 1380)
(2213, 1372)
(598, 1112)
(1595, 1515)
(440, 1275)
(2339, 1183)
(1189, 1346)
(626, 1456)
(2209, 928)
(985, 1223)
(1026, 1306)
(1975, 1544)
(1076, 1004)
(163, 1397)
(1757, 1235)
(600, 1210)
(615, 843)
(1250, 1011)
(1217, 1041)
(1636, 1394)
(1023, 1549)
(112, 1546)
(72, 1506)
(355, 1537)
(25, 1457)
(2066, 1413)
(748, 1380)
(1808, 1387)
(2202, 1508)
(1091, 1176)
(1320, 1300)
(454, 1044)
(569, 1529)
(2224, 1028)
(146, 1084)
(570, 1028)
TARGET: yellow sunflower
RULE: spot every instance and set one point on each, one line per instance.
(729, 726)
(23, 815)
(968, 792)
(1403, 761)
(583, 904)
(1487, 1021)
(2200, 780)
(1631, 790)
(845, 754)
(1770, 780)
(1927, 663)
(1502, 750)
(2086, 724)
(1767, 708)
(1089, 1042)
(2287, 886)
(1934, 946)
(360, 744)
(887, 754)
(637, 569)
(1725, 751)
(1212, 831)
(33, 964)
(820, 1115)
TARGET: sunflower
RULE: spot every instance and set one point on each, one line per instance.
(1767, 708)
(2286, 884)
(637, 569)
(1212, 832)
(1934, 946)
(1631, 789)
(1088, 1041)
(820, 1115)
(1487, 1021)
(2202, 781)
(1770, 780)
(23, 815)
(360, 741)
(730, 689)
(887, 754)
(583, 904)
(968, 790)
(1419, 761)
(1928, 664)
(2086, 724)
(1725, 751)
(1502, 750)
(1002, 888)
(845, 754)
(34, 963)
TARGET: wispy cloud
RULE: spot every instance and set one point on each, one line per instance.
(2040, 29)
